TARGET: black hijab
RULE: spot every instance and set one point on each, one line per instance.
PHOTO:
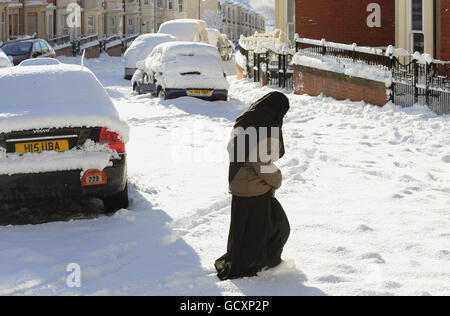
(269, 111)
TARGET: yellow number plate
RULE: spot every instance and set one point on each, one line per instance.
(37, 147)
(203, 93)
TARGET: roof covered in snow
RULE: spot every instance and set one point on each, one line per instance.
(56, 96)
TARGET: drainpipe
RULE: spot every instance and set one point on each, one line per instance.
(22, 18)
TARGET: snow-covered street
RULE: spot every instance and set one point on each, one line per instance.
(366, 190)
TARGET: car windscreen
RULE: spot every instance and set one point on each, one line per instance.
(17, 49)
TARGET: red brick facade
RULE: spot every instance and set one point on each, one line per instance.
(445, 30)
(314, 82)
(345, 21)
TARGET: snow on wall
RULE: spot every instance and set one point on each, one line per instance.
(349, 68)
(56, 96)
(143, 46)
(169, 61)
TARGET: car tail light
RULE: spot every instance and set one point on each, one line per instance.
(112, 139)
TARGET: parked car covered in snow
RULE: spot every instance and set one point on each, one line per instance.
(62, 138)
(20, 51)
(4, 60)
(141, 48)
(189, 30)
(178, 69)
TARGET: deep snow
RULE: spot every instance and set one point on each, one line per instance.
(366, 191)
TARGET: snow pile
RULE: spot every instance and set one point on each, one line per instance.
(260, 43)
(56, 96)
(4, 60)
(189, 30)
(347, 67)
(184, 65)
(213, 36)
(241, 61)
(143, 46)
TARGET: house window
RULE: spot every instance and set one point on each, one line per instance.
(417, 34)
(160, 4)
(171, 5)
(50, 28)
(91, 24)
(180, 5)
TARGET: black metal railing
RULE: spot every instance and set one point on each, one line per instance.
(419, 82)
(59, 40)
(270, 67)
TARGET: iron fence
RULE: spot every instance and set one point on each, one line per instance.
(270, 67)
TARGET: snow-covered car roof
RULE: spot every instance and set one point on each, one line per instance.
(4, 60)
(57, 96)
(143, 46)
(39, 62)
(189, 30)
(187, 65)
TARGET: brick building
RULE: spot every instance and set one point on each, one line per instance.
(443, 46)
(346, 21)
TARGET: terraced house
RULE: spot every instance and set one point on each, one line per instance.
(240, 18)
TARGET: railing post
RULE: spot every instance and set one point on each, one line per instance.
(279, 70)
(392, 69)
(415, 81)
(427, 84)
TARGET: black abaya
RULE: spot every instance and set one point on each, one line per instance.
(258, 232)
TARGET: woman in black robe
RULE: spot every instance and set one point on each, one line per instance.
(259, 227)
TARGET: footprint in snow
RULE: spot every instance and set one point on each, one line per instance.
(446, 159)
(443, 255)
(374, 256)
(330, 279)
(364, 229)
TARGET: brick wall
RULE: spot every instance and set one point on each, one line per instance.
(445, 30)
(314, 82)
(115, 51)
(345, 21)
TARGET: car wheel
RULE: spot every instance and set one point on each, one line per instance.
(116, 202)
(162, 94)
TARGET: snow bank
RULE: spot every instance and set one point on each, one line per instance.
(189, 30)
(4, 60)
(169, 61)
(346, 67)
(143, 46)
(213, 36)
(241, 61)
(56, 96)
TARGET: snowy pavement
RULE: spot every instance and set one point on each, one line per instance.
(367, 192)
